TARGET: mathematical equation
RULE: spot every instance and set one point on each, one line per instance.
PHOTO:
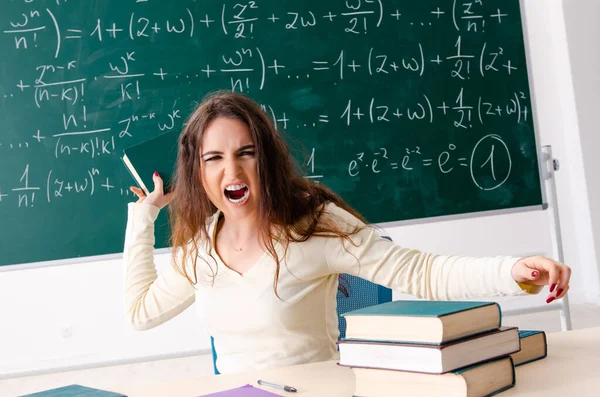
(250, 67)
(489, 162)
(55, 187)
(78, 87)
(27, 25)
(242, 19)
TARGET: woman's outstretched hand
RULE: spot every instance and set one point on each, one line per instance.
(158, 198)
(539, 270)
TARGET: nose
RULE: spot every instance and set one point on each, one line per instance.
(232, 167)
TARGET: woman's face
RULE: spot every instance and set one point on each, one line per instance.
(229, 170)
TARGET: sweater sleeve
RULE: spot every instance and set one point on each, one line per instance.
(410, 271)
(150, 299)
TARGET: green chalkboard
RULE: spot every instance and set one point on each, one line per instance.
(409, 108)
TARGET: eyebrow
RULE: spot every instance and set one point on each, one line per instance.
(213, 152)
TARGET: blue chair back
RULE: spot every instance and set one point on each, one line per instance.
(214, 355)
(360, 293)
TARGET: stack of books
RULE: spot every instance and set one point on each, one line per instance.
(433, 348)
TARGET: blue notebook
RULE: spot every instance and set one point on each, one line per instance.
(75, 391)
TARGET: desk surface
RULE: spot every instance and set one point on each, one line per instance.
(571, 369)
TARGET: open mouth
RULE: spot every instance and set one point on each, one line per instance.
(236, 194)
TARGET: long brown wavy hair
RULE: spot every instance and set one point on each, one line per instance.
(289, 203)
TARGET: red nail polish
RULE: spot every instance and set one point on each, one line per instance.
(534, 274)
(550, 299)
(552, 287)
(559, 291)
(156, 174)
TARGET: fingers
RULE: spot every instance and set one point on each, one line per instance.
(563, 292)
(157, 196)
(553, 273)
(559, 277)
(548, 271)
(525, 273)
(562, 284)
(158, 182)
(556, 295)
(138, 192)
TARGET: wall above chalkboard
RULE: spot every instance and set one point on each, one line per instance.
(408, 109)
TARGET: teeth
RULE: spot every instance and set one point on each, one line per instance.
(235, 187)
(237, 201)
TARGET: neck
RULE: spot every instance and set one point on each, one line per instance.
(239, 230)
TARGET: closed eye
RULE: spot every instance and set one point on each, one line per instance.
(247, 153)
(213, 158)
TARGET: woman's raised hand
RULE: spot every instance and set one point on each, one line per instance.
(158, 198)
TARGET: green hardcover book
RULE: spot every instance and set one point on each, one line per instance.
(158, 154)
(420, 321)
(533, 347)
(75, 391)
(484, 379)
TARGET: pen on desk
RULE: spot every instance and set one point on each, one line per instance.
(275, 385)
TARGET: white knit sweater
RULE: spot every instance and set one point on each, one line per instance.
(252, 328)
